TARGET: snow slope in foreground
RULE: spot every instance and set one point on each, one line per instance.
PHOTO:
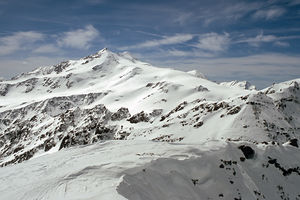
(154, 170)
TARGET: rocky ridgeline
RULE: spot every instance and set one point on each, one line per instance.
(61, 123)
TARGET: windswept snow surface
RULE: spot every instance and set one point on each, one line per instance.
(109, 126)
(148, 170)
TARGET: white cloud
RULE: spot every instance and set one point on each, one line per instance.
(264, 38)
(261, 70)
(213, 42)
(193, 53)
(282, 44)
(183, 18)
(18, 41)
(261, 38)
(257, 40)
(168, 40)
(238, 10)
(80, 38)
(269, 14)
(227, 12)
(48, 48)
(175, 52)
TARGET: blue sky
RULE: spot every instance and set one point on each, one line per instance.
(226, 40)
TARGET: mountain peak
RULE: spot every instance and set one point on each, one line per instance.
(112, 96)
(239, 84)
(105, 49)
(197, 74)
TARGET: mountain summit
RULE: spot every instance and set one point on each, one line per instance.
(112, 97)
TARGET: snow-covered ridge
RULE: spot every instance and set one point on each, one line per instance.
(197, 74)
(108, 96)
(242, 84)
(109, 126)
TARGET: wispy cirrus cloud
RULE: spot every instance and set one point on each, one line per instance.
(193, 53)
(238, 10)
(207, 44)
(80, 38)
(33, 41)
(228, 12)
(282, 44)
(166, 40)
(213, 42)
(19, 41)
(269, 14)
(257, 40)
(183, 18)
(261, 70)
(262, 38)
(47, 48)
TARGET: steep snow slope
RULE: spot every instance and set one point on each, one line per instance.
(129, 83)
(114, 96)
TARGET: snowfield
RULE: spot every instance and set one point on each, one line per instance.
(109, 126)
(155, 170)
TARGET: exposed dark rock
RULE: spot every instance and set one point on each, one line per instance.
(272, 161)
(122, 113)
(97, 67)
(66, 141)
(195, 181)
(121, 135)
(69, 84)
(294, 142)
(4, 89)
(167, 138)
(285, 172)
(156, 112)
(247, 151)
(49, 143)
(178, 108)
(18, 148)
(149, 84)
(21, 157)
(61, 66)
(234, 110)
(200, 88)
(198, 124)
(29, 84)
(139, 117)
(245, 97)
(105, 132)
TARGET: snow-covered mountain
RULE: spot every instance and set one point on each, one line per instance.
(174, 127)
(243, 84)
